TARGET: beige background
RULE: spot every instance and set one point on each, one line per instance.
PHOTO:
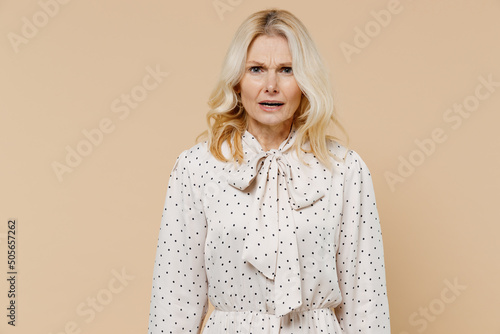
(77, 232)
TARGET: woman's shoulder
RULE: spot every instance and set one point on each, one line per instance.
(194, 155)
(339, 150)
(199, 160)
(344, 155)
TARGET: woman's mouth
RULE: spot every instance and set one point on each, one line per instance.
(270, 105)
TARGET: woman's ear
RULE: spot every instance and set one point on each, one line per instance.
(237, 89)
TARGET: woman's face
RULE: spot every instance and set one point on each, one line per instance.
(269, 92)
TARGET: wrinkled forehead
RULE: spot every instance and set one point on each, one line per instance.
(269, 50)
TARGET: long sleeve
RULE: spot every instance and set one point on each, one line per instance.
(360, 256)
(179, 294)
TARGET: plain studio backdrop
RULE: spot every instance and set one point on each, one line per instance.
(97, 99)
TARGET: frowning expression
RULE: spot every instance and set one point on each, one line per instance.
(269, 92)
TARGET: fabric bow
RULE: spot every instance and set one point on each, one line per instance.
(279, 185)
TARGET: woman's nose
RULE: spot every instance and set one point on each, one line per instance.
(271, 82)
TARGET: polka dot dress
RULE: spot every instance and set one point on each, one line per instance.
(276, 245)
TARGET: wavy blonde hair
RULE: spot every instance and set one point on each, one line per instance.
(227, 119)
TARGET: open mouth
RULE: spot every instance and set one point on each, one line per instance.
(271, 104)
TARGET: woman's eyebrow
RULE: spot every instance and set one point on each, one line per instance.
(262, 64)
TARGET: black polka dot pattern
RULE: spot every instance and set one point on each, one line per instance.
(276, 245)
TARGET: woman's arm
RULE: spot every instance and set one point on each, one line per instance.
(179, 293)
(360, 257)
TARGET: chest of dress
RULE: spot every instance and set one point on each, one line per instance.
(231, 212)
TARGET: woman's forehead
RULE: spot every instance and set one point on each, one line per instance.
(265, 49)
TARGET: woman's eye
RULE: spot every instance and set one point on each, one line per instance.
(287, 70)
(255, 69)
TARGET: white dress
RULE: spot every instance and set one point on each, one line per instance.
(277, 246)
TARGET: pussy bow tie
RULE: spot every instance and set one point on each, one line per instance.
(279, 184)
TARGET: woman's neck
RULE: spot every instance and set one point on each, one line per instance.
(270, 137)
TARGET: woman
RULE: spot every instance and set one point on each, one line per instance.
(270, 218)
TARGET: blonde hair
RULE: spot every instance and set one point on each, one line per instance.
(316, 109)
